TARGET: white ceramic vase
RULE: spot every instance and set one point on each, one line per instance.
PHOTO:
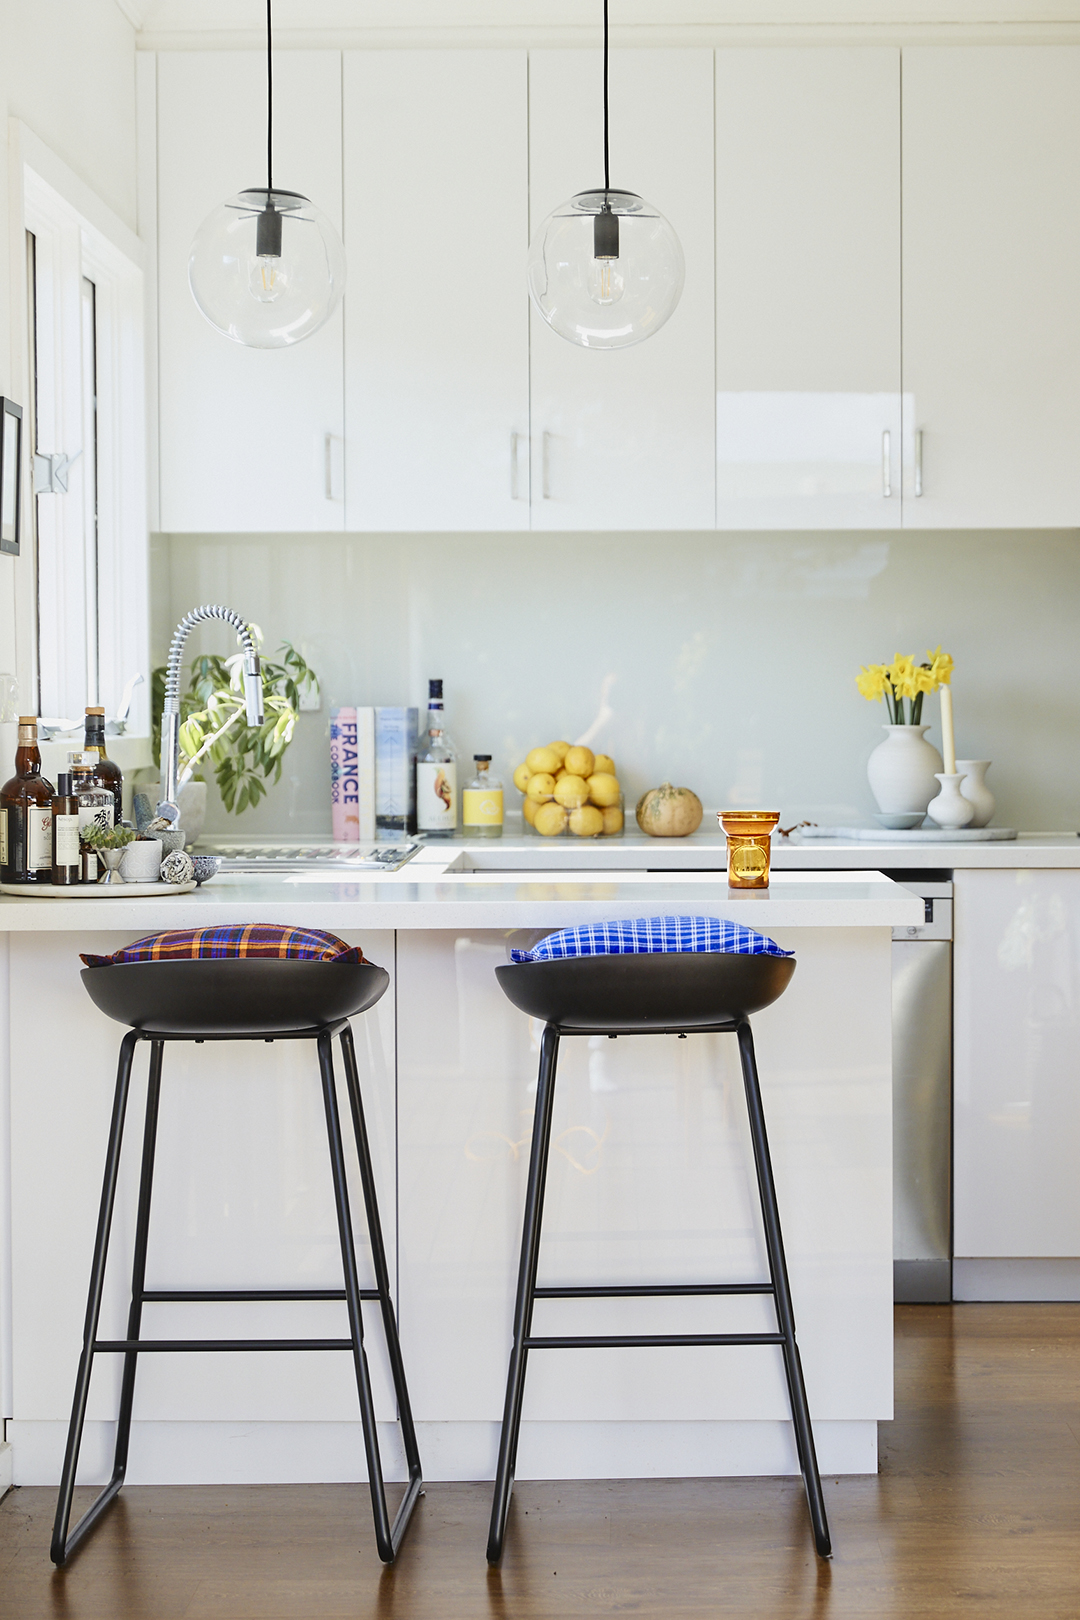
(973, 786)
(191, 802)
(950, 809)
(903, 770)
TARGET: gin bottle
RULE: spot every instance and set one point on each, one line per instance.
(436, 773)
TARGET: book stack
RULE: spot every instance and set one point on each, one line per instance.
(372, 773)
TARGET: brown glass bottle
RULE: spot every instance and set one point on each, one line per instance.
(107, 773)
(66, 861)
(26, 814)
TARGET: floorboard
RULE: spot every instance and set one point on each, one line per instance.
(976, 1512)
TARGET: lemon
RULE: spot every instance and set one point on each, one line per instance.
(560, 748)
(521, 778)
(529, 807)
(613, 819)
(603, 789)
(605, 763)
(571, 791)
(550, 820)
(580, 761)
(541, 786)
(543, 759)
(587, 821)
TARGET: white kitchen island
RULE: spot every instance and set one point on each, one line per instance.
(651, 1179)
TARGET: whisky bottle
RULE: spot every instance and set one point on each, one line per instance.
(106, 771)
(482, 802)
(95, 800)
(26, 814)
(66, 866)
(436, 773)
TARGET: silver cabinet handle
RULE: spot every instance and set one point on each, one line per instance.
(545, 465)
(918, 462)
(514, 438)
(332, 445)
(886, 464)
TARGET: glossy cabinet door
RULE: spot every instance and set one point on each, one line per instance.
(991, 153)
(1016, 1072)
(808, 288)
(436, 316)
(622, 439)
(250, 439)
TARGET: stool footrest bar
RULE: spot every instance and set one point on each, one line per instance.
(123, 1345)
(653, 1290)
(607, 1341)
(187, 1296)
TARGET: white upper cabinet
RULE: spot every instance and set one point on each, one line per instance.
(250, 438)
(991, 307)
(808, 288)
(436, 317)
(623, 439)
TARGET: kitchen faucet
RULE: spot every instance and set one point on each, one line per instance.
(171, 781)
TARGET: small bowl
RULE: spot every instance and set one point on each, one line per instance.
(206, 866)
(900, 820)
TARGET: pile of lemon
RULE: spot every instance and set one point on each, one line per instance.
(568, 786)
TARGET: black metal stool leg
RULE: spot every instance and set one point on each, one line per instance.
(774, 1243)
(526, 1292)
(138, 1266)
(64, 1545)
(383, 1537)
(382, 1284)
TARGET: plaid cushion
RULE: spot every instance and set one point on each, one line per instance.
(652, 934)
(256, 939)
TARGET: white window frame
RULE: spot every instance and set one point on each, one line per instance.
(76, 236)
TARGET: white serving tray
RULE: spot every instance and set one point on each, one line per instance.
(910, 835)
(93, 891)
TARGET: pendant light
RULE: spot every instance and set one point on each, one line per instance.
(267, 268)
(605, 269)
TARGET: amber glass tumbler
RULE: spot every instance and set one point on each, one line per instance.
(748, 846)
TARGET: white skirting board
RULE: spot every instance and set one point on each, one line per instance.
(6, 1481)
(320, 1453)
(1017, 1279)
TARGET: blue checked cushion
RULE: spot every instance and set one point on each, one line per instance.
(652, 934)
(255, 939)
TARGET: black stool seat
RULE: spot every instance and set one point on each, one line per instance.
(640, 993)
(647, 991)
(234, 995)
(238, 998)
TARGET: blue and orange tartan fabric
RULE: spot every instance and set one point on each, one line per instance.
(256, 939)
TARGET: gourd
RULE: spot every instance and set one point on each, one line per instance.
(669, 812)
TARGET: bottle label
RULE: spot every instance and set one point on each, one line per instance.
(95, 815)
(66, 841)
(3, 838)
(39, 818)
(482, 807)
(436, 796)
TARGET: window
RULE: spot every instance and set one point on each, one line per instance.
(84, 629)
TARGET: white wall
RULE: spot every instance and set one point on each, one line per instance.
(733, 656)
(67, 70)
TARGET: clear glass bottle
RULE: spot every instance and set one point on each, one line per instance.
(96, 802)
(107, 772)
(482, 802)
(436, 773)
(65, 833)
(26, 814)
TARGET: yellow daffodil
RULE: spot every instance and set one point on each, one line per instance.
(924, 679)
(871, 682)
(903, 675)
(941, 666)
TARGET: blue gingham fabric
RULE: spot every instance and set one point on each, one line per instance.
(641, 934)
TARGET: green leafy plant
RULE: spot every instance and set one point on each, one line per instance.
(213, 720)
(108, 837)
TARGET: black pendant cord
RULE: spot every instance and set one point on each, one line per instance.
(270, 106)
(607, 165)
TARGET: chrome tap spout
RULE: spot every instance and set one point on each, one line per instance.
(170, 719)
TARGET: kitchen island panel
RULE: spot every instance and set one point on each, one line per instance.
(650, 1179)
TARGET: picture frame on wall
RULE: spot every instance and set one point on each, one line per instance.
(10, 475)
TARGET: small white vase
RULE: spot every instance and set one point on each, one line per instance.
(950, 809)
(903, 770)
(973, 787)
(191, 802)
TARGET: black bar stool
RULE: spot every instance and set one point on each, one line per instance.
(238, 999)
(651, 993)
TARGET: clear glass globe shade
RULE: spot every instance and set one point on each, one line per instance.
(267, 268)
(606, 302)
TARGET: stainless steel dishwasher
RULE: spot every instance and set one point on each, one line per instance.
(922, 1094)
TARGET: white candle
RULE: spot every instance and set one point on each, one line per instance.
(948, 742)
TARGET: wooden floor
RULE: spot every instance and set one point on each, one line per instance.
(976, 1512)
